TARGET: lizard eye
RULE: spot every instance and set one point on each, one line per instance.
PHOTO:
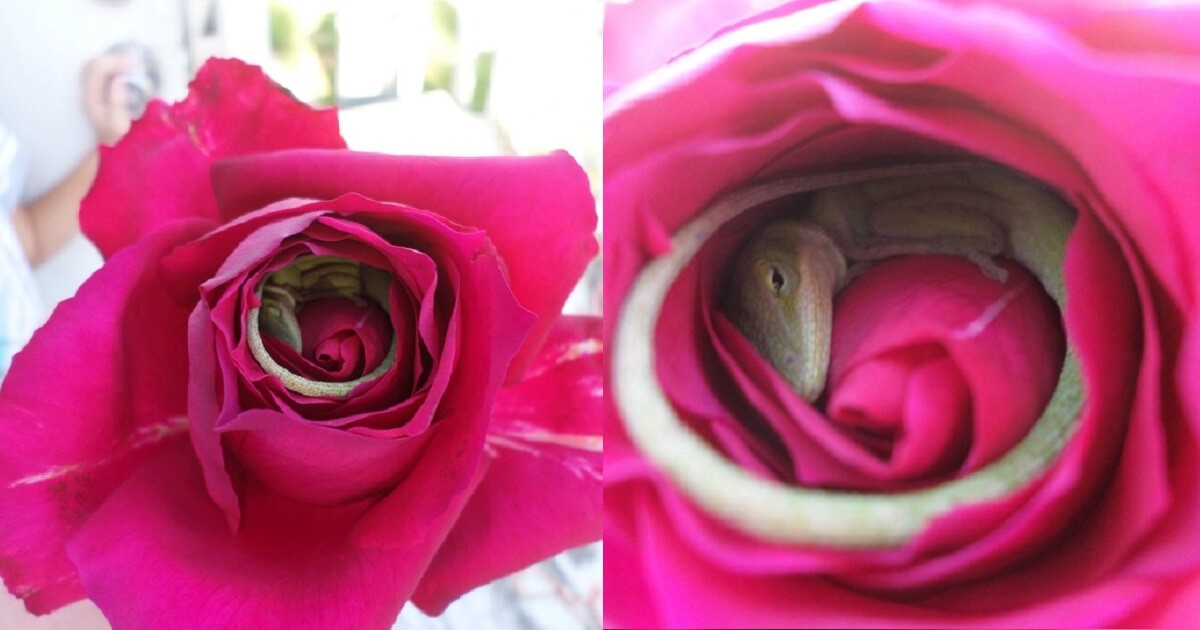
(778, 281)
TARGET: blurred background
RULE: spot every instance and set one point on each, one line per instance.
(434, 77)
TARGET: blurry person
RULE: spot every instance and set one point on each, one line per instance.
(32, 232)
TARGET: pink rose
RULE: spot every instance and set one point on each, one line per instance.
(308, 384)
(937, 370)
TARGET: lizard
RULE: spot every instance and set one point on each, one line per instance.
(1014, 217)
(781, 288)
(282, 295)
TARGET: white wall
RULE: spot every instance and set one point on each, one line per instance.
(44, 45)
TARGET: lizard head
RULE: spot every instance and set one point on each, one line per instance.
(780, 295)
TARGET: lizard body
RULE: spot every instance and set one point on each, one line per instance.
(782, 284)
(1033, 225)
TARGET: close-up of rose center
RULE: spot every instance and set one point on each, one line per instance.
(935, 369)
(892, 350)
(888, 347)
(324, 320)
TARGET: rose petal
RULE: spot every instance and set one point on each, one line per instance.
(989, 330)
(688, 337)
(1174, 605)
(542, 490)
(1172, 455)
(213, 371)
(533, 209)
(323, 319)
(492, 327)
(926, 431)
(312, 463)
(676, 576)
(342, 340)
(159, 171)
(816, 451)
(158, 548)
(641, 36)
(1148, 33)
(332, 369)
(629, 600)
(84, 403)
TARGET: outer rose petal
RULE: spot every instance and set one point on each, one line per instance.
(159, 171)
(642, 35)
(680, 588)
(1175, 606)
(158, 554)
(96, 389)
(444, 476)
(534, 209)
(542, 491)
(320, 464)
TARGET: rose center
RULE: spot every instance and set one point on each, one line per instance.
(323, 326)
(1017, 218)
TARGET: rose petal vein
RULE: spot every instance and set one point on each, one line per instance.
(581, 467)
(143, 437)
(570, 352)
(976, 326)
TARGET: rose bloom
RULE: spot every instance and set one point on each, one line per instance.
(307, 385)
(1099, 105)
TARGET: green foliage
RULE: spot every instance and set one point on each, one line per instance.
(284, 31)
(443, 56)
(325, 40)
(483, 81)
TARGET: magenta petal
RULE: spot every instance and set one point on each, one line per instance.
(158, 554)
(342, 340)
(69, 441)
(324, 323)
(534, 210)
(313, 463)
(1174, 605)
(688, 593)
(492, 326)
(159, 171)
(542, 492)
(937, 408)
(205, 409)
(987, 329)
(641, 36)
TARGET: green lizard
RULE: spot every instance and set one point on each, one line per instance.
(783, 281)
(283, 294)
(981, 211)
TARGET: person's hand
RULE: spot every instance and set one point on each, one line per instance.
(104, 95)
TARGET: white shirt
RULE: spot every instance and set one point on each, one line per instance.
(19, 302)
